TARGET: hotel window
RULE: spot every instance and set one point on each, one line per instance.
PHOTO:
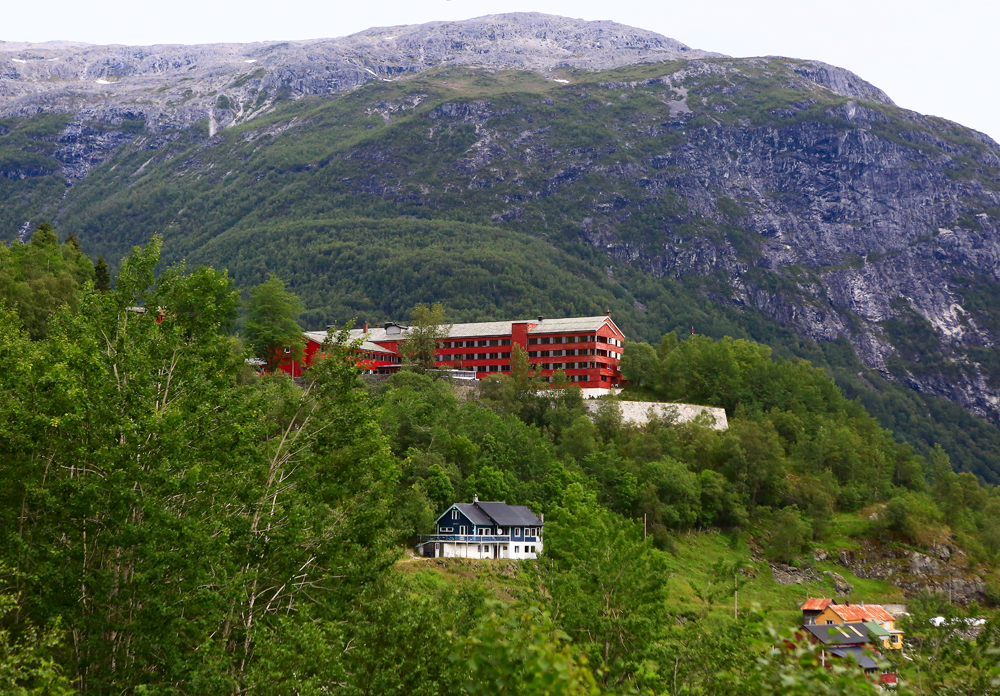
(532, 341)
(505, 368)
(532, 353)
(505, 342)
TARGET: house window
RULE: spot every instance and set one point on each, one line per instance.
(517, 549)
(462, 529)
(454, 514)
(479, 548)
(517, 531)
(829, 622)
(532, 548)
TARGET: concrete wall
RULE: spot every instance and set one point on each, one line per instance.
(639, 412)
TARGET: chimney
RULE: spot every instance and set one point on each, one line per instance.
(475, 498)
(541, 318)
(608, 313)
(364, 327)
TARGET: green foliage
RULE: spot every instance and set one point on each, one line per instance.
(174, 515)
(102, 276)
(271, 330)
(523, 654)
(944, 659)
(789, 536)
(607, 585)
(426, 330)
(38, 278)
(28, 665)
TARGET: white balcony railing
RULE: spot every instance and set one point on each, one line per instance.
(478, 539)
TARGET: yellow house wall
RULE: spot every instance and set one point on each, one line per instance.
(829, 615)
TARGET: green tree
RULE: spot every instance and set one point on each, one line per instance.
(790, 535)
(522, 653)
(639, 363)
(39, 278)
(27, 661)
(607, 585)
(271, 329)
(176, 516)
(102, 276)
(425, 333)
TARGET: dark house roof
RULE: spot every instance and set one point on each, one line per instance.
(475, 515)
(840, 634)
(509, 515)
(488, 513)
(857, 654)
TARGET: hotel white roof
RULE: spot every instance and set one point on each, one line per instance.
(480, 329)
(366, 346)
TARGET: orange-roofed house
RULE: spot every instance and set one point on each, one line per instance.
(812, 608)
(834, 613)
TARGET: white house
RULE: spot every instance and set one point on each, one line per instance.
(484, 529)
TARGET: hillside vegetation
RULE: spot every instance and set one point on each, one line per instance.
(175, 523)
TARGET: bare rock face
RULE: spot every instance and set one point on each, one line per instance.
(176, 86)
(916, 572)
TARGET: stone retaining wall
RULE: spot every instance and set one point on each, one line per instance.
(639, 412)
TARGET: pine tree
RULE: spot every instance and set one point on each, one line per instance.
(102, 277)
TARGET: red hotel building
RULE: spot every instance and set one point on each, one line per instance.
(587, 349)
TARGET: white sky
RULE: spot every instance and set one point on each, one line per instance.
(936, 57)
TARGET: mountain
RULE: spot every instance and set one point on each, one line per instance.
(525, 164)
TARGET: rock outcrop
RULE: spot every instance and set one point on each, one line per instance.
(916, 572)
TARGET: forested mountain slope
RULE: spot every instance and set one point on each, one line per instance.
(775, 198)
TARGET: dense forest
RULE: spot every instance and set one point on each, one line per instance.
(174, 522)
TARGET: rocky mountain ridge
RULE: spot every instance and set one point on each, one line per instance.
(171, 86)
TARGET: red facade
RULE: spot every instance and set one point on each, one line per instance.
(587, 349)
